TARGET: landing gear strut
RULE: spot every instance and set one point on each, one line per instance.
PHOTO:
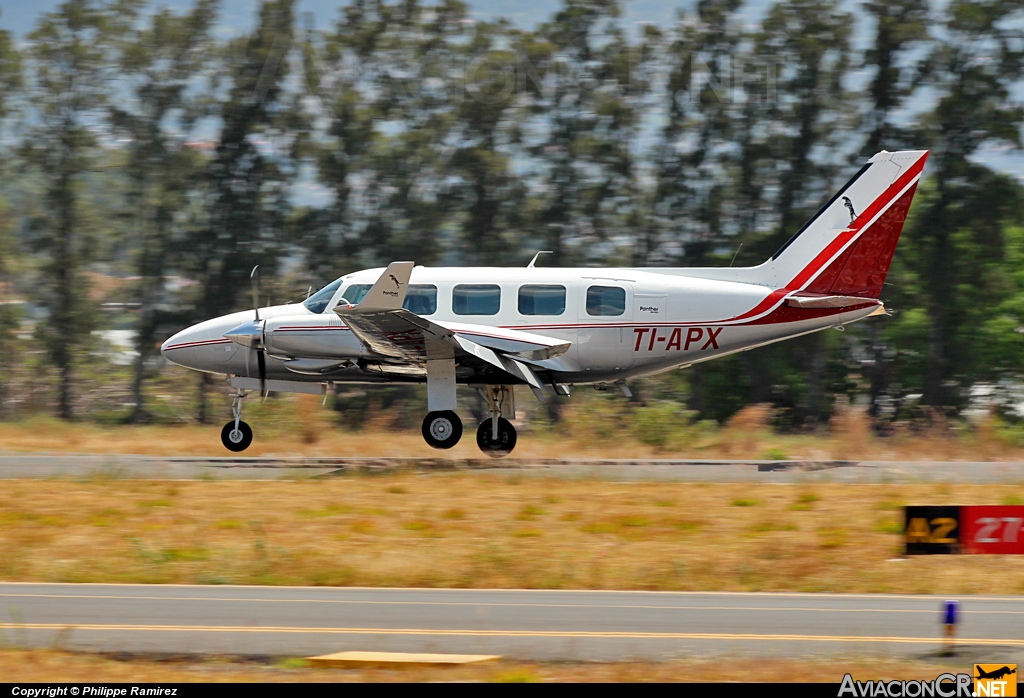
(496, 436)
(236, 434)
(442, 429)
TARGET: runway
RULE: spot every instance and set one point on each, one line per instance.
(34, 465)
(548, 625)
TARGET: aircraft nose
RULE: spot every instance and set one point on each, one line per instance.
(173, 341)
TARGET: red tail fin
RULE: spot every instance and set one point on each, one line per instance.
(861, 269)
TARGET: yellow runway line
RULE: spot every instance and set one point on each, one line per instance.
(395, 660)
(443, 632)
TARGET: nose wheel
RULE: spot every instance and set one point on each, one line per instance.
(442, 429)
(236, 437)
(236, 434)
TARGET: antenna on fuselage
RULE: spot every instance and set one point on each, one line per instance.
(534, 260)
(735, 253)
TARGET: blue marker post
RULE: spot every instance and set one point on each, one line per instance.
(950, 616)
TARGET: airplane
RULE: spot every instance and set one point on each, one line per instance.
(555, 328)
(995, 674)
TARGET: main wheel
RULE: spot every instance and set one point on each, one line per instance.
(442, 429)
(236, 439)
(503, 445)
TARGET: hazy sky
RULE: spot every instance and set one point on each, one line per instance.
(239, 15)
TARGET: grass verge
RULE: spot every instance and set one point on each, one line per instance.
(488, 530)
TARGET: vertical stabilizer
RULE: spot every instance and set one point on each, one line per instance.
(847, 247)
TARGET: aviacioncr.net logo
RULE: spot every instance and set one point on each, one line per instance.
(942, 686)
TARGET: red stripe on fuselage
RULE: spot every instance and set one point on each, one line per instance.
(188, 345)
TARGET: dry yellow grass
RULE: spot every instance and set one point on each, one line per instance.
(43, 666)
(480, 530)
(300, 426)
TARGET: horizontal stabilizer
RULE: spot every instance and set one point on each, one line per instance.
(824, 301)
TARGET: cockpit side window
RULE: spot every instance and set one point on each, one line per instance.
(317, 303)
(420, 298)
(354, 293)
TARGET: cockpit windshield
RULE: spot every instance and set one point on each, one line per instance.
(317, 303)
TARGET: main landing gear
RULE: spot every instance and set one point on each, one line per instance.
(236, 434)
(496, 436)
(442, 429)
(500, 445)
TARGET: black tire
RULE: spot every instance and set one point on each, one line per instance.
(241, 440)
(442, 429)
(506, 438)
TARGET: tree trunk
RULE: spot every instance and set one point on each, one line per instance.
(756, 363)
(140, 364)
(64, 288)
(818, 353)
(202, 414)
(935, 372)
(877, 373)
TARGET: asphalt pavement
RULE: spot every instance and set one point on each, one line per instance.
(35, 465)
(549, 625)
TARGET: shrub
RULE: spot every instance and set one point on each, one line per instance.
(661, 423)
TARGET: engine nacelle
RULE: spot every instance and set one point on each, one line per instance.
(311, 337)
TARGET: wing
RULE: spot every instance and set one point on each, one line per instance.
(388, 330)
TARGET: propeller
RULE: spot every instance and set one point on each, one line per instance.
(252, 334)
(261, 343)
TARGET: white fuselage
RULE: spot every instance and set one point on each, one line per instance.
(621, 323)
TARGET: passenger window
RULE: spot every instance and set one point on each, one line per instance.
(606, 301)
(541, 300)
(478, 299)
(421, 299)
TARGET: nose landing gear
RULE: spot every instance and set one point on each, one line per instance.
(236, 434)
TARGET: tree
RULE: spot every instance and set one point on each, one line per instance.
(490, 198)
(694, 183)
(344, 69)
(68, 62)
(246, 183)
(159, 63)
(408, 193)
(585, 104)
(900, 26)
(956, 231)
(10, 70)
(10, 82)
(808, 42)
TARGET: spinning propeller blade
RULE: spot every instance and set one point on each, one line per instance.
(261, 359)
